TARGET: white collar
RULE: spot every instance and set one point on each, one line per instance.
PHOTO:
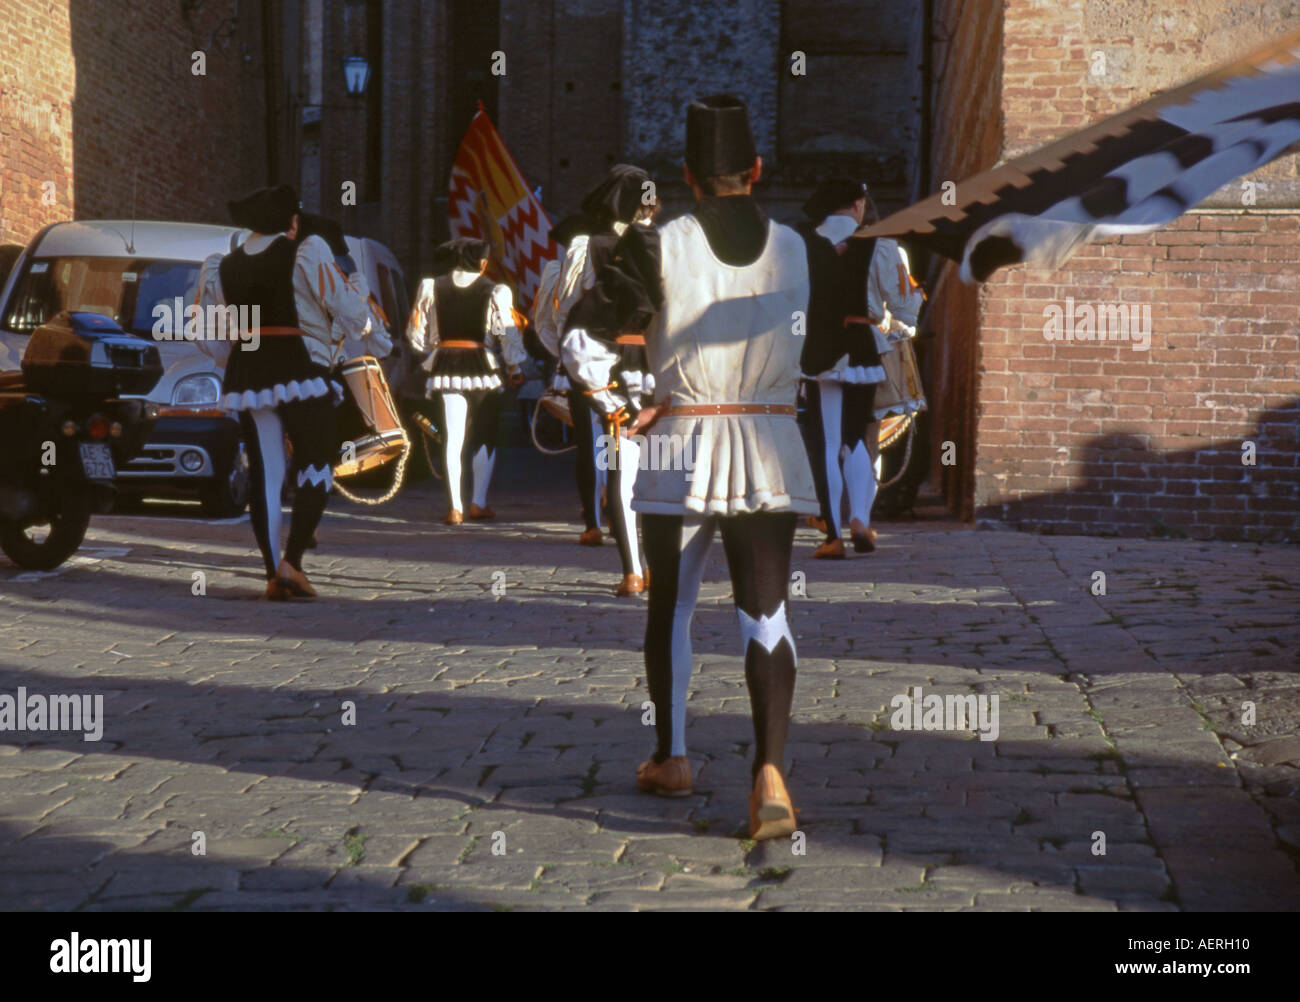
(463, 278)
(255, 243)
(837, 227)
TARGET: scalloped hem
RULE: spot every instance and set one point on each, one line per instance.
(463, 384)
(273, 396)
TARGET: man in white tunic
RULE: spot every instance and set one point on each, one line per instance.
(718, 293)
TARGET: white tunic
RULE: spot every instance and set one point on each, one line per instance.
(727, 335)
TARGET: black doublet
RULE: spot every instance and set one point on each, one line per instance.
(462, 315)
(281, 368)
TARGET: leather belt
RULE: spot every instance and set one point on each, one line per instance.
(458, 344)
(865, 321)
(638, 339)
(728, 410)
(273, 331)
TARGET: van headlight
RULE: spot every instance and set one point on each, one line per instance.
(196, 390)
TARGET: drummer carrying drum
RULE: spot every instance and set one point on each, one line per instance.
(457, 316)
(307, 308)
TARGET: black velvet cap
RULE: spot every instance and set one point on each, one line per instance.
(309, 224)
(833, 194)
(266, 210)
(718, 140)
(465, 253)
(618, 196)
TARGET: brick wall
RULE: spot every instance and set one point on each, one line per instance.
(1100, 438)
(100, 99)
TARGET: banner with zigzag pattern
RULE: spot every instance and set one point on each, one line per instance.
(488, 199)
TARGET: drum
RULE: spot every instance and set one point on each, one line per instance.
(369, 423)
(901, 393)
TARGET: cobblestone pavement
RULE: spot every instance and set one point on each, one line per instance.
(512, 722)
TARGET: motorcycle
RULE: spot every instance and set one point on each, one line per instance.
(66, 425)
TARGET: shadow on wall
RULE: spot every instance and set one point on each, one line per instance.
(1209, 493)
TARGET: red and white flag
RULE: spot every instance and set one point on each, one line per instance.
(489, 200)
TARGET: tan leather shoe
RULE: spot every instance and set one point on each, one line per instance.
(630, 585)
(771, 814)
(864, 539)
(453, 518)
(669, 778)
(832, 549)
(275, 591)
(477, 513)
(592, 537)
(294, 581)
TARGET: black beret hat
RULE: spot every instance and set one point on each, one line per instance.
(266, 210)
(465, 253)
(617, 197)
(309, 224)
(833, 194)
(718, 140)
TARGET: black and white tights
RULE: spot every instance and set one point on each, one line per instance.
(757, 548)
(310, 427)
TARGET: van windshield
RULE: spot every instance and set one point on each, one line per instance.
(124, 289)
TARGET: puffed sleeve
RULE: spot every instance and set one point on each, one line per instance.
(505, 328)
(209, 293)
(316, 274)
(544, 307)
(574, 280)
(589, 362)
(422, 327)
(374, 338)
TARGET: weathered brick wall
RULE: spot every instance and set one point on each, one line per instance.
(1099, 438)
(967, 128)
(100, 99)
(35, 116)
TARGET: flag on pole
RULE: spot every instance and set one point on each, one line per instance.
(489, 200)
(1135, 171)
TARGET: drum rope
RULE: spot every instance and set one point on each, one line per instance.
(532, 431)
(907, 454)
(398, 479)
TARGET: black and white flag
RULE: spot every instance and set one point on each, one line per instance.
(1135, 171)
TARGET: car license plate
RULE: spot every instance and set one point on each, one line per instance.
(97, 461)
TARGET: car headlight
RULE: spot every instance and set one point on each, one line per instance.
(197, 390)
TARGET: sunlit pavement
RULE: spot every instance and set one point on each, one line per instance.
(456, 723)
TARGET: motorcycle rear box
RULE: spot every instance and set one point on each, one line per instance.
(87, 354)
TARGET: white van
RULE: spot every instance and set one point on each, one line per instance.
(123, 269)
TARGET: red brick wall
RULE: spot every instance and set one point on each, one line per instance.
(967, 127)
(1099, 438)
(100, 99)
(1082, 437)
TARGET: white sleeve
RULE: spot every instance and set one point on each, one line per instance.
(374, 339)
(422, 327)
(589, 364)
(504, 327)
(570, 288)
(210, 293)
(544, 306)
(318, 277)
(905, 297)
(877, 275)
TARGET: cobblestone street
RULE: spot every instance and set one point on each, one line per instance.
(488, 721)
